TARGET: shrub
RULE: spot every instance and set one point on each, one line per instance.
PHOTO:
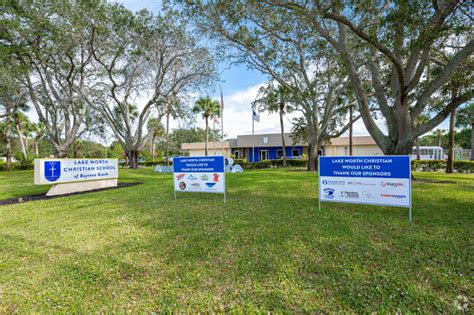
(272, 163)
(18, 166)
(290, 162)
(428, 165)
(464, 166)
(440, 165)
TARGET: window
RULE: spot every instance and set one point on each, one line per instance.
(279, 153)
(236, 154)
(295, 152)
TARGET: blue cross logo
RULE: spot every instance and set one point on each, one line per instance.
(52, 170)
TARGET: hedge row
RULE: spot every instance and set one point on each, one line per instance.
(440, 165)
(272, 163)
(18, 166)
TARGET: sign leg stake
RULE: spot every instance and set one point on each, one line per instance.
(410, 214)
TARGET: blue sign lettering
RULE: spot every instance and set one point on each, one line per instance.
(365, 166)
(207, 164)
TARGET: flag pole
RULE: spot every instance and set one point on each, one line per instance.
(222, 122)
(214, 132)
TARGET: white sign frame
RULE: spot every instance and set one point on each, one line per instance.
(184, 176)
(40, 178)
(368, 181)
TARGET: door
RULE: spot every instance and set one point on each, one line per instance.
(263, 155)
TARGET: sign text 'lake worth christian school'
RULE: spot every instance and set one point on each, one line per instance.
(75, 175)
(375, 180)
(56, 171)
(199, 174)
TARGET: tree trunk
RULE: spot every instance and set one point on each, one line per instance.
(74, 149)
(37, 148)
(472, 141)
(61, 153)
(127, 160)
(351, 107)
(313, 155)
(153, 140)
(418, 154)
(310, 154)
(22, 142)
(8, 138)
(207, 135)
(282, 127)
(313, 158)
(450, 163)
(133, 154)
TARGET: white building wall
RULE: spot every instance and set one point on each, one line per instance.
(210, 152)
(340, 150)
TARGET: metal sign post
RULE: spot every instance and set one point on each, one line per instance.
(319, 185)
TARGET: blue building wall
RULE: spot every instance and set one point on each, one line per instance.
(272, 153)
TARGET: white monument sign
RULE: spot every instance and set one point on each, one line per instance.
(75, 175)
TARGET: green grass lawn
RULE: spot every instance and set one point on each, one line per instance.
(267, 249)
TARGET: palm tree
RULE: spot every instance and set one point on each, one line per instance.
(439, 134)
(420, 120)
(23, 128)
(155, 129)
(40, 133)
(276, 99)
(209, 108)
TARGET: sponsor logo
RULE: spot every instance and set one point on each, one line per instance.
(216, 178)
(204, 177)
(192, 177)
(350, 194)
(52, 170)
(329, 193)
(195, 185)
(368, 195)
(182, 185)
(353, 183)
(393, 196)
(384, 184)
(210, 185)
(180, 176)
(333, 182)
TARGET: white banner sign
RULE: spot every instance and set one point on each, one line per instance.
(55, 171)
(199, 174)
(376, 180)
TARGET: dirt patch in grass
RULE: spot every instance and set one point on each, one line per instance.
(27, 198)
(433, 181)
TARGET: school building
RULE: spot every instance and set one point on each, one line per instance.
(261, 147)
